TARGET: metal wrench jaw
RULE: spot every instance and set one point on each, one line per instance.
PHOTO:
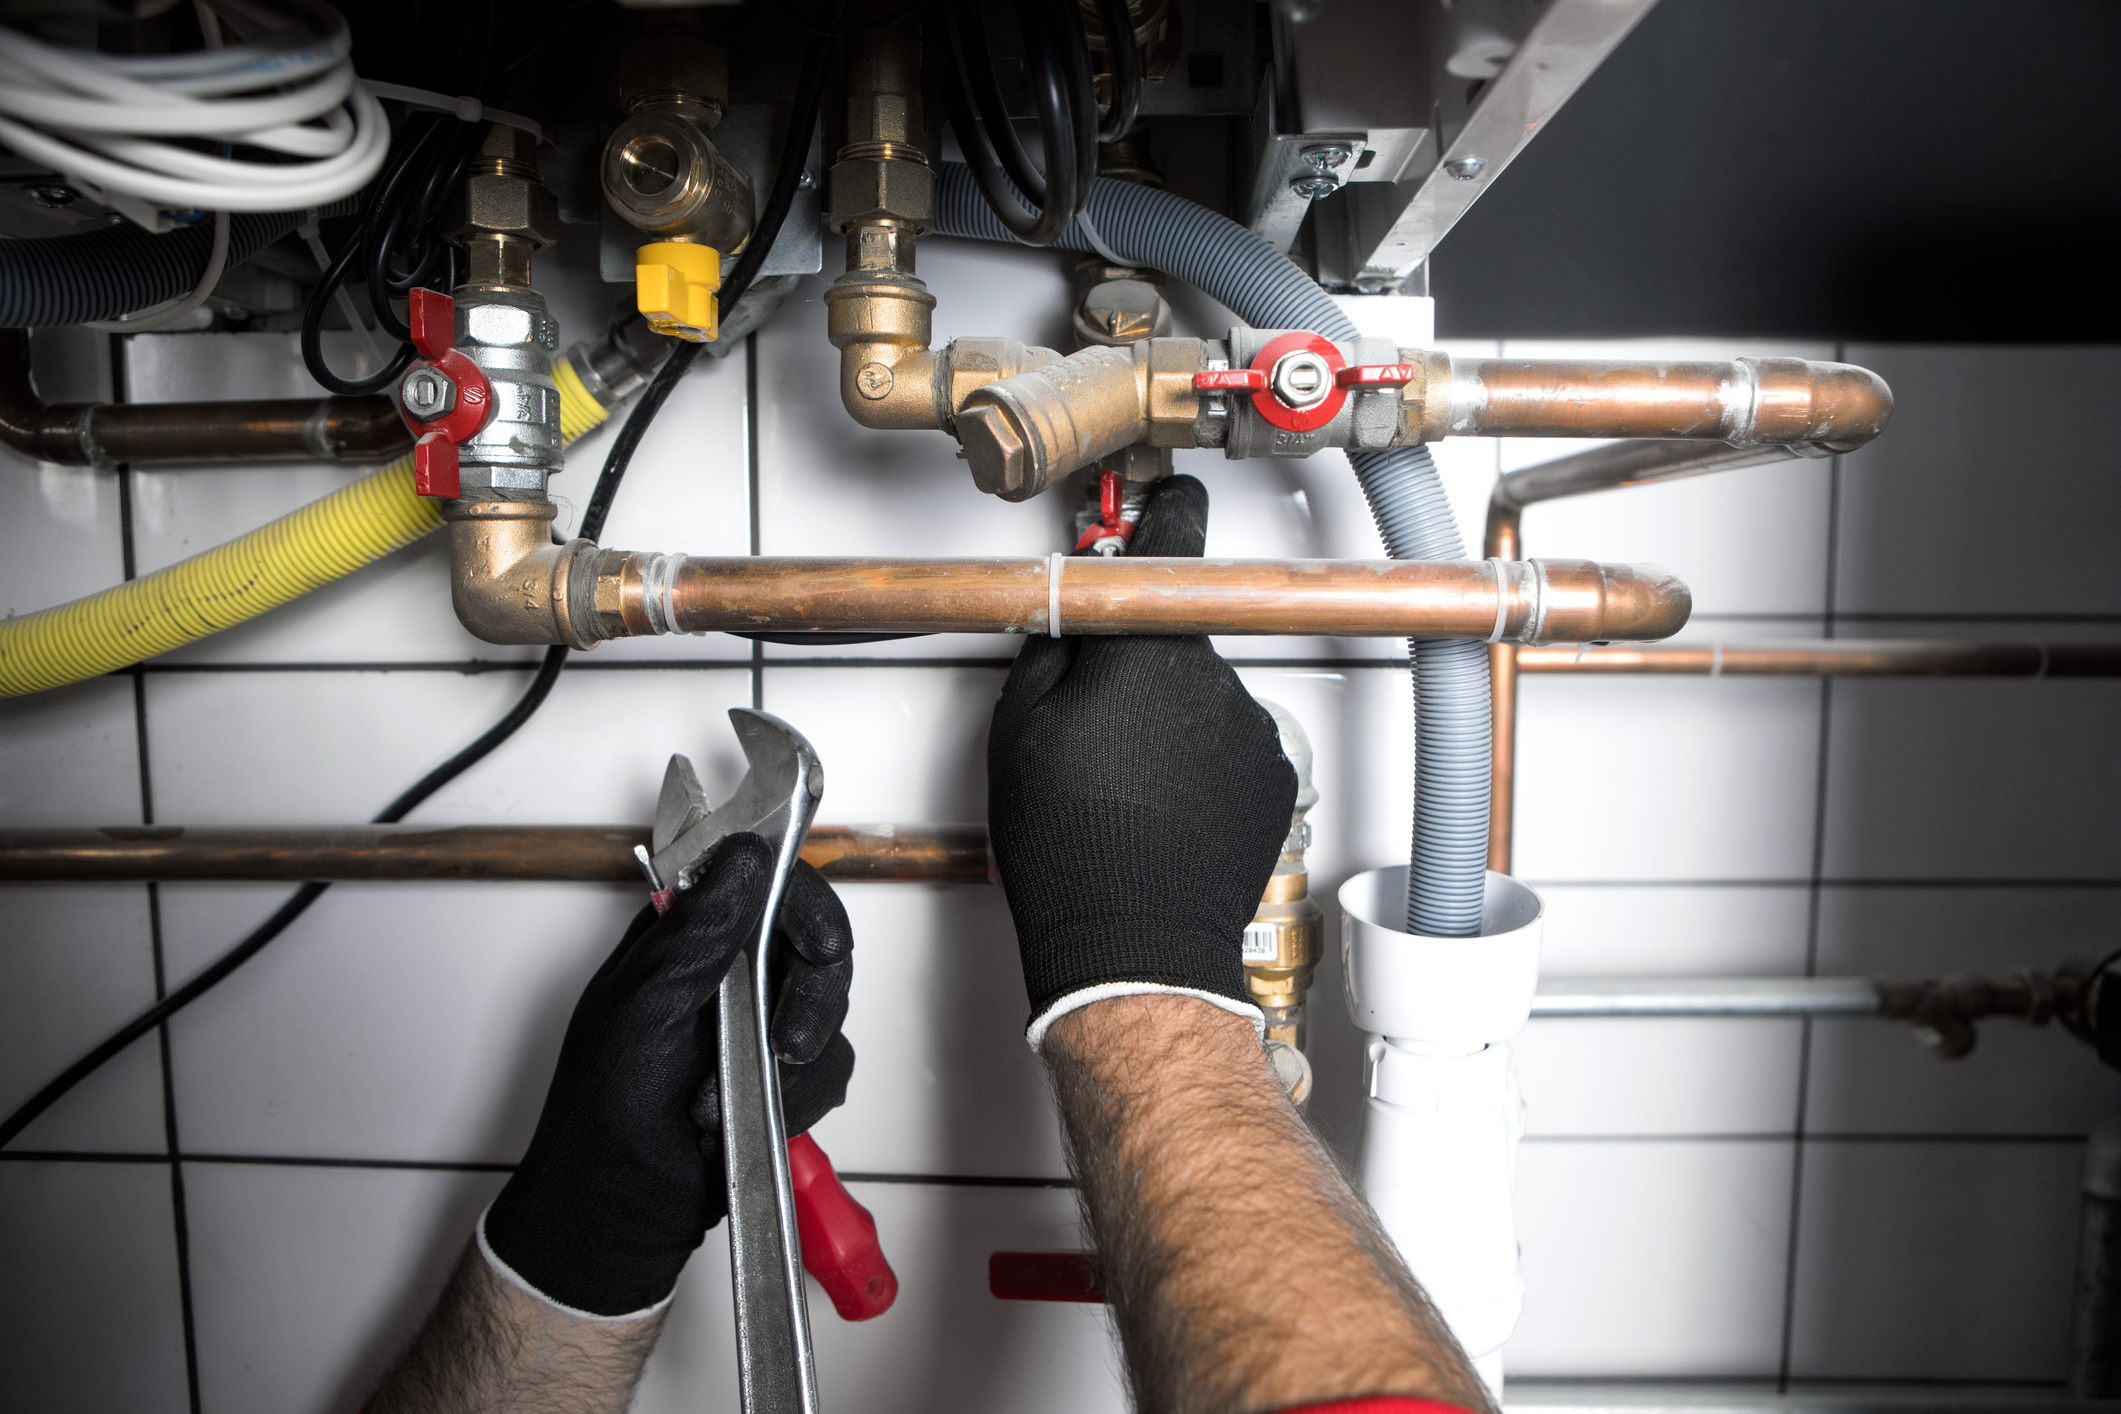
(782, 772)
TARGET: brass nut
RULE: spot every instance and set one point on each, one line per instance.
(874, 381)
(882, 117)
(487, 204)
(881, 189)
(672, 64)
(996, 451)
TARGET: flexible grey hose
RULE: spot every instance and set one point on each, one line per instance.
(113, 270)
(1144, 226)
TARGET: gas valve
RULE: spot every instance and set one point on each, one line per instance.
(444, 398)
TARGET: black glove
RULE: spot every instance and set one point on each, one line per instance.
(624, 1174)
(1137, 798)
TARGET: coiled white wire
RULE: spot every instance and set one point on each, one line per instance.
(103, 120)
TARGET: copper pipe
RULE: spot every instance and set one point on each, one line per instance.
(396, 853)
(1571, 601)
(103, 434)
(1831, 407)
(1600, 469)
(1502, 698)
(1845, 657)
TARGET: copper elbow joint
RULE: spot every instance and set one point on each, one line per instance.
(509, 582)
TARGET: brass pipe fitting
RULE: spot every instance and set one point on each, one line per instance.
(1024, 432)
(1286, 936)
(508, 581)
(501, 212)
(660, 169)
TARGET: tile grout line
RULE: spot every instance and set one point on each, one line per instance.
(1807, 1032)
(179, 1216)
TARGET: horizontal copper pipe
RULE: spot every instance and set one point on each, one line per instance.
(1830, 407)
(1850, 657)
(1571, 601)
(395, 853)
(101, 434)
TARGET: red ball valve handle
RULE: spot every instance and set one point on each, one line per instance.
(444, 397)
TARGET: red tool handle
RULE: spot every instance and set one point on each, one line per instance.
(839, 1237)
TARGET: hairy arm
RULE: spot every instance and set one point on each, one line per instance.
(1242, 1269)
(488, 1347)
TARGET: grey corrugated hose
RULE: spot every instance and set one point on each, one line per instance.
(1452, 724)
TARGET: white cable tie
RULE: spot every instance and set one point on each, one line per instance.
(1053, 574)
(1097, 242)
(466, 108)
(1502, 598)
(1716, 658)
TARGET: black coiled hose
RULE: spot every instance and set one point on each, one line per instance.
(1057, 64)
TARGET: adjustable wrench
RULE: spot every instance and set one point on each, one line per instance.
(768, 1219)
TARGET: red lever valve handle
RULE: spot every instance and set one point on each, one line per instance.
(463, 400)
(839, 1237)
(1375, 375)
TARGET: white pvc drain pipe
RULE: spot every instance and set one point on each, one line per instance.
(1440, 1128)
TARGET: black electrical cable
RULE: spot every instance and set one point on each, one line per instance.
(427, 161)
(795, 154)
(1126, 58)
(297, 904)
(1058, 70)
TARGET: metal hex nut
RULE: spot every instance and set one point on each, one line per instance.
(485, 204)
(882, 189)
(427, 393)
(996, 451)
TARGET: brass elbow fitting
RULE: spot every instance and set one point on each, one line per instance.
(509, 582)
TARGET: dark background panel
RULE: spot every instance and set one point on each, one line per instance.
(1889, 170)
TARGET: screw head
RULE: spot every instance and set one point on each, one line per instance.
(1301, 379)
(807, 181)
(1465, 169)
(1325, 156)
(427, 393)
(52, 195)
(1314, 185)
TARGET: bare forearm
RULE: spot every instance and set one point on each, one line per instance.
(488, 1347)
(1242, 1269)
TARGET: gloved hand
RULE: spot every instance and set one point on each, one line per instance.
(624, 1174)
(1137, 798)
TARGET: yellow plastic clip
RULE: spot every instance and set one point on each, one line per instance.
(674, 282)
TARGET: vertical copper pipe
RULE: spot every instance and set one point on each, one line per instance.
(1501, 542)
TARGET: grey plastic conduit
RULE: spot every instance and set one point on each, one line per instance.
(1157, 229)
(115, 270)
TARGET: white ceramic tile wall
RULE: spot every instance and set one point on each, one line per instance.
(349, 1099)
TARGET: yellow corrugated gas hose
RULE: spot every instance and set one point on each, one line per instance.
(219, 588)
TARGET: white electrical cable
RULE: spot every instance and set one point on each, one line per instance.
(465, 108)
(105, 121)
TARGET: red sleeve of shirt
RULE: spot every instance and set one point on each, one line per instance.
(1387, 1404)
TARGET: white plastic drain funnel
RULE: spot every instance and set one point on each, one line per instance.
(1440, 1130)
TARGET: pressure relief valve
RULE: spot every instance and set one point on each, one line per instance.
(444, 397)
